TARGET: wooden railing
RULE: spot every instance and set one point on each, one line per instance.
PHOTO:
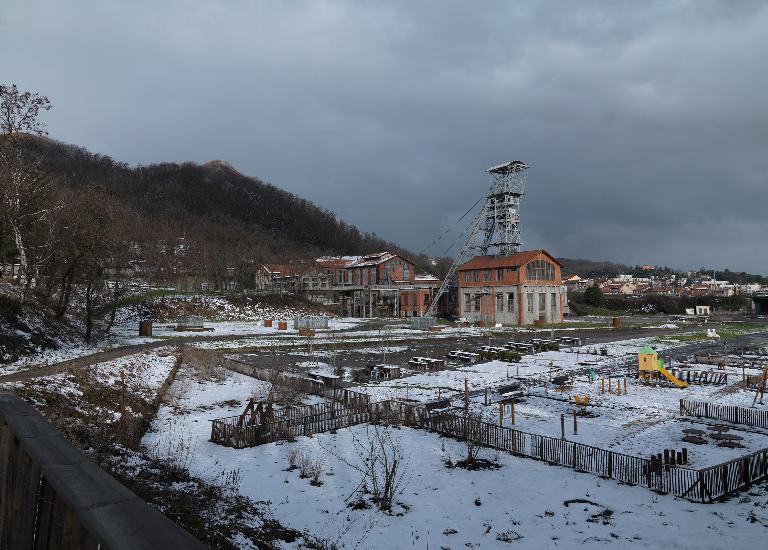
(54, 498)
(727, 413)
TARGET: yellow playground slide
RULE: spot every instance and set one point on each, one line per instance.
(676, 381)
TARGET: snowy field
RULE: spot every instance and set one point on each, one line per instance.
(524, 502)
(432, 385)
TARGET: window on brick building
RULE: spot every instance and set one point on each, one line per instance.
(468, 302)
(487, 275)
(500, 274)
(500, 302)
(530, 302)
(540, 270)
(511, 305)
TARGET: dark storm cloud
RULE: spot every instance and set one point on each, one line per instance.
(644, 122)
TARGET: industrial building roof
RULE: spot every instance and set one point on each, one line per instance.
(515, 260)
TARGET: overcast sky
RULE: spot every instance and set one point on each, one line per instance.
(645, 123)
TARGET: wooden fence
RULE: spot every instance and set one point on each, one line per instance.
(732, 476)
(54, 498)
(298, 383)
(234, 431)
(728, 413)
(583, 458)
(704, 485)
(700, 377)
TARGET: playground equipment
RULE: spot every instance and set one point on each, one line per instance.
(651, 368)
(581, 400)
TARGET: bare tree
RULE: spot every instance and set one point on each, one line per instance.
(471, 437)
(25, 192)
(20, 111)
(382, 465)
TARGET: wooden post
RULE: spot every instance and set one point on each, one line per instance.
(666, 456)
(625, 386)
(602, 385)
(122, 399)
(501, 413)
(609, 386)
(486, 397)
(562, 426)
(513, 412)
(575, 427)
(681, 408)
(466, 394)
(618, 388)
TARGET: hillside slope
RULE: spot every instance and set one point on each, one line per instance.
(211, 203)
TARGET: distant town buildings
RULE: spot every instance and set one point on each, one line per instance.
(691, 285)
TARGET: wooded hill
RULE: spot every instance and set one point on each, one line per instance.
(210, 205)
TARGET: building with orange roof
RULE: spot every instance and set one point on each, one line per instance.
(520, 289)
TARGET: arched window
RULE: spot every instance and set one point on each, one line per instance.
(540, 270)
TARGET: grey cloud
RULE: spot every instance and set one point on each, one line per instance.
(644, 122)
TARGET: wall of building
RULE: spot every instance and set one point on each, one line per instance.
(414, 302)
(514, 305)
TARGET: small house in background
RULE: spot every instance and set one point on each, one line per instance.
(701, 311)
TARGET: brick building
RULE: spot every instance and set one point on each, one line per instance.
(520, 289)
(378, 284)
(416, 298)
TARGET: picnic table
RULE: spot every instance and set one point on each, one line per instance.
(464, 355)
(719, 428)
(695, 439)
(730, 444)
(492, 349)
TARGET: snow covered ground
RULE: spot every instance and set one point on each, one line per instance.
(431, 385)
(523, 503)
(144, 373)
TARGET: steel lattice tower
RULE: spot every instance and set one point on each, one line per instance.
(502, 208)
(498, 221)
